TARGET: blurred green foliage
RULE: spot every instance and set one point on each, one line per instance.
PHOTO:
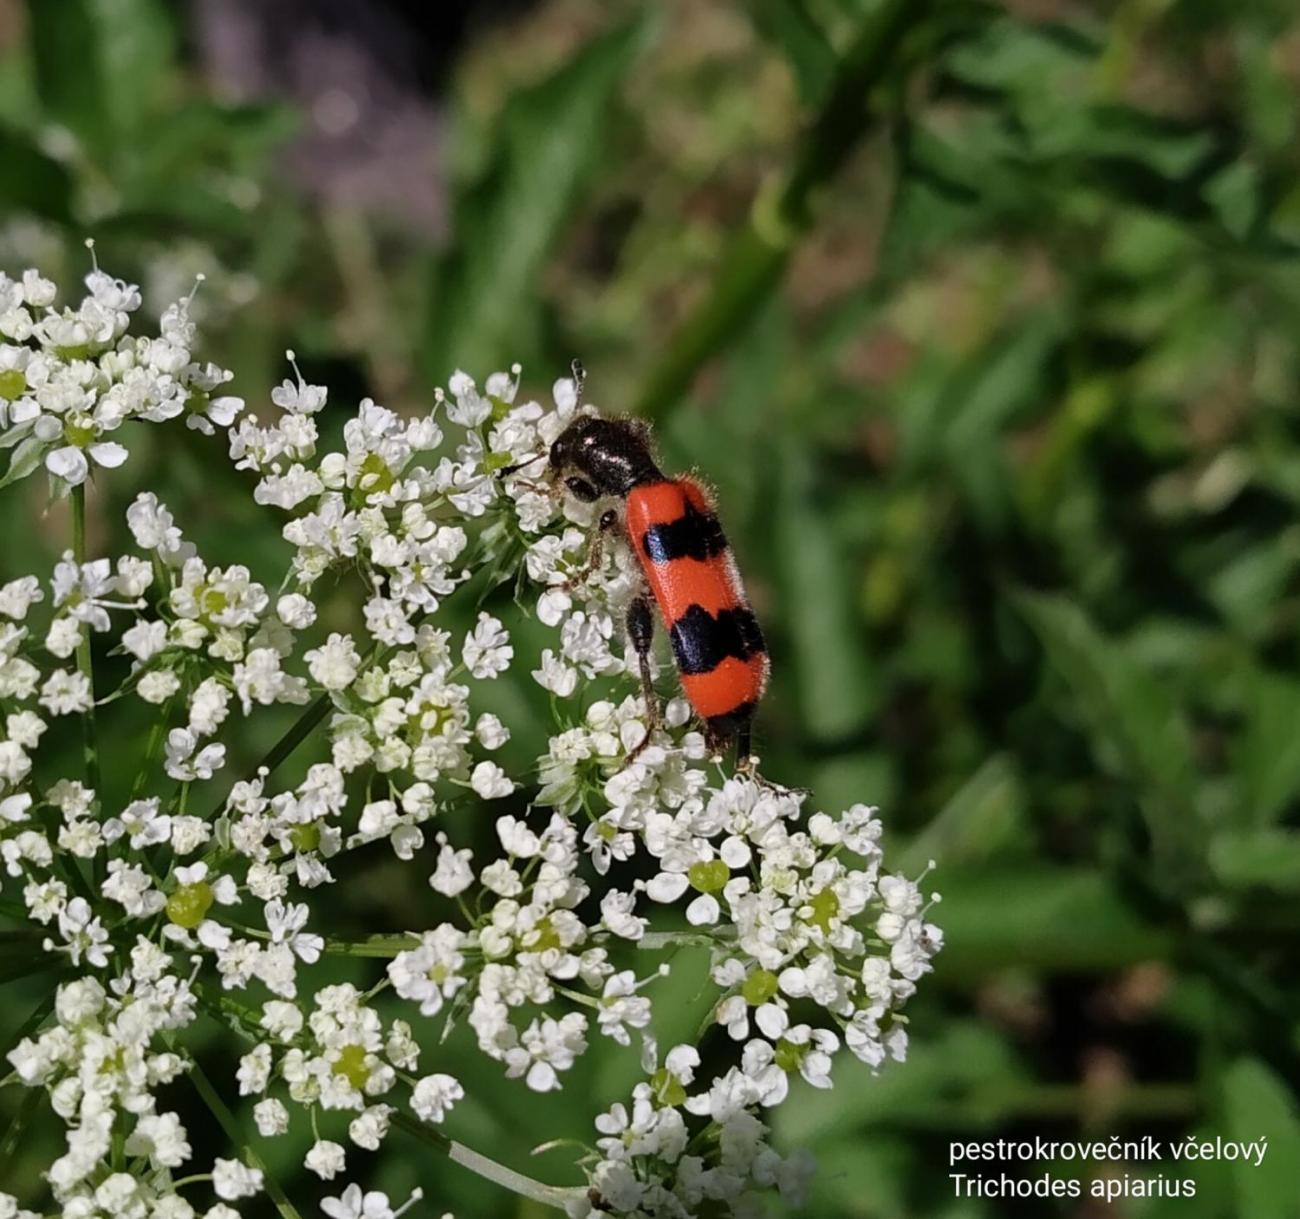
(985, 322)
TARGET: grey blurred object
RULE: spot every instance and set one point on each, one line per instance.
(364, 75)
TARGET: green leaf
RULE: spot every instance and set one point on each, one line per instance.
(66, 49)
(1257, 858)
(983, 820)
(31, 181)
(1003, 379)
(1118, 133)
(1234, 195)
(789, 25)
(951, 1075)
(230, 1125)
(552, 137)
(135, 46)
(1009, 55)
(1258, 1105)
(1268, 751)
(1136, 729)
(1269, 96)
(27, 457)
(1248, 585)
(837, 689)
(15, 435)
(983, 396)
(1052, 919)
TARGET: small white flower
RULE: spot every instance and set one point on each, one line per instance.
(66, 693)
(271, 1116)
(556, 676)
(334, 664)
(286, 923)
(162, 1138)
(490, 731)
(353, 1204)
(434, 1096)
(295, 611)
(184, 764)
(490, 782)
(70, 462)
(232, 1180)
(487, 651)
(326, 1159)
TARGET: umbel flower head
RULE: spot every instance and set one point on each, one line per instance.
(198, 893)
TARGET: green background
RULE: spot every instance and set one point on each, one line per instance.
(984, 321)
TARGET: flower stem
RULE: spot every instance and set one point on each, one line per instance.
(297, 733)
(226, 1120)
(85, 661)
(753, 264)
(234, 1016)
(151, 749)
(373, 946)
(653, 941)
(301, 728)
(13, 1138)
(548, 1195)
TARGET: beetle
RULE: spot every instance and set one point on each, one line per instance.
(687, 568)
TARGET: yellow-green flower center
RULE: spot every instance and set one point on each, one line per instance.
(429, 721)
(351, 1064)
(666, 1088)
(13, 384)
(374, 477)
(189, 905)
(708, 877)
(305, 837)
(759, 987)
(788, 1056)
(80, 434)
(214, 601)
(547, 936)
(825, 907)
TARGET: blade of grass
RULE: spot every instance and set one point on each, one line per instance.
(14, 1135)
(227, 1122)
(554, 1196)
(757, 257)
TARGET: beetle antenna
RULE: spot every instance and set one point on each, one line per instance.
(520, 465)
(579, 380)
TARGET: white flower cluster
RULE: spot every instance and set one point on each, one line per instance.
(192, 894)
(70, 378)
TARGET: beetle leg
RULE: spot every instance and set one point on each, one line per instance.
(640, 630)
(579, 381)
(747, 765)
(608, 525)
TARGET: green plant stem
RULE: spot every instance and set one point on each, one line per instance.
(654, 941)
(758, 254)
(151, 750)
(226, 1120)
(297, 733)
(385, 946)
(302, 727)
(14, 1135)
(373, 946)
(85, 661)
(234, 1017)
(34, 1020)
(548, 1195)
